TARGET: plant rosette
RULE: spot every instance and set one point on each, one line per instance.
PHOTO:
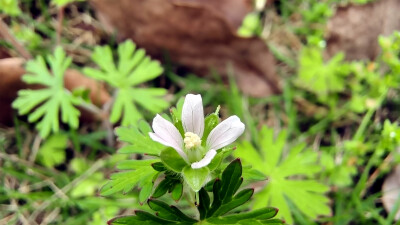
(195, 142)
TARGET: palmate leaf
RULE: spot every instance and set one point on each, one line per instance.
(138, 140)
(319, 77)
(53, 99)
(139, 174)
(224, 200)
(306, 193)
(133, 68)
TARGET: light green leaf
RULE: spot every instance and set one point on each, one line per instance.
(290, 176)
(141, 174)
(172, 160)
(10, 7)
(319, 77)
(133, 68)
(138, 140)
(195, 177)
(52, 152)
(61, 3)
(51, 100)
(87, 187)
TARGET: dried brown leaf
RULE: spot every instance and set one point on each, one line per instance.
(195, 35)
(355, 28)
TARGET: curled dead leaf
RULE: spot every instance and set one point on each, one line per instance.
(354, 29)
(197, 35)
(11, 72)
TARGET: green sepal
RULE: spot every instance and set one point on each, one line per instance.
(210, 122)
(177, 191)
(162, 188)
(159, 166)
(215, 162)
(172, 160)
(195, 177)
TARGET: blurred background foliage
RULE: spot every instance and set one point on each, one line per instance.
(327, 143)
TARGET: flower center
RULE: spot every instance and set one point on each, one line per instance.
(191, 140)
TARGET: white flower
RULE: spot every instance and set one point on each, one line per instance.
(189, 148)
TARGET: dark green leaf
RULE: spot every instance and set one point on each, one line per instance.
(177, 192)
(168, 212)
(260, 214)
(241, 198)
(231, 177)
(172, 160)
(162, 188)
(159, 166)
(204, 204)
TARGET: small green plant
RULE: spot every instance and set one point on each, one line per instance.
(133, 68)
(290, 178)
(53, 99)
(225, 199)
(186, 153)
(322, 79)
(10, 7)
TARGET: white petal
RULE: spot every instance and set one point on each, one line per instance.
(167, 134)
(206, 160)
(225, 133)
(193, 115)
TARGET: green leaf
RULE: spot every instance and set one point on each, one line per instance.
(10, 7)
(169, 212)
(166, 214)
(141, 173)
(231, 180)
(260, 216)
(141, 217)
(87, 187)
(319, 77)
(52, 152)
(145, 192)
(291, 176)
(53, 99)
(195, 177)
(172, 160)
(239, 199)
(159, 166)
(62, 3)
(204, 204)
(132, 69)
(138, 139)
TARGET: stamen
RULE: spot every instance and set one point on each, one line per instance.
(191, 140)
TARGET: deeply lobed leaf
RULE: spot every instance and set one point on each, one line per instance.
(51, 100)
(133, 68)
